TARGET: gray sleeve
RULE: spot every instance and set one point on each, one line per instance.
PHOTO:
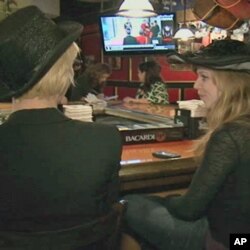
(219, 160)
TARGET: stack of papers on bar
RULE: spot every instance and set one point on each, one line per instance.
(96, 103)
(197, 107)
(79, 112)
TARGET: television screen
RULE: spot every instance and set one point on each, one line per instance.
(137, 35)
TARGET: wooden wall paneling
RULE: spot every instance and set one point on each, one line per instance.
(170, 74)
(122, 73)
(136, 60)
(123, 92)
(190, 93)
(109, 91)
(174, 95)
(91, 36)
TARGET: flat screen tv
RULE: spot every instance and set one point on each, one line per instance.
(137, 35)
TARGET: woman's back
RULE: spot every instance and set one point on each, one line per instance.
(55, 172)
(229, 211)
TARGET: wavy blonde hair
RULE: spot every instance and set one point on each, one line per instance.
(58, 79)
(232, 105)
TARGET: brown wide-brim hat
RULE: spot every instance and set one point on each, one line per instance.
(220, 55)
(30, 43)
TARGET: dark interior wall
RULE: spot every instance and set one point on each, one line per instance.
(87, 12)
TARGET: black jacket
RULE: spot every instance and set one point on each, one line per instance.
(55, 173)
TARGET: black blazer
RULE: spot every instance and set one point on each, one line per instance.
(55, 172)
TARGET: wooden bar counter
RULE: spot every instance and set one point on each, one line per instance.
(142, 172)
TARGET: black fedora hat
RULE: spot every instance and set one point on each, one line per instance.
(221, 55)
(30, 43)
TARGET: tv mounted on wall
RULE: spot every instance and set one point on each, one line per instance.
(137, 35)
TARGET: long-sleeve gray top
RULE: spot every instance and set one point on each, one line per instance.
(220, 188)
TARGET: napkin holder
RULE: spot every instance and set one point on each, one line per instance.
(194, 127)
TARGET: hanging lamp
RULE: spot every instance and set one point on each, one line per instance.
(136, 8)
(184, 33)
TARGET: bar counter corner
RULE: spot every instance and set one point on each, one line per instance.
(141, 172)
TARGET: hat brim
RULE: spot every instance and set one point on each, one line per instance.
(72, 31)
(220, 55)
(227, 62)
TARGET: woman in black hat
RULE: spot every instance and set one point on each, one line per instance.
(220, 188)
(57, 175)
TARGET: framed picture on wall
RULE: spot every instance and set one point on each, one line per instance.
(89, 60)
(114, 61)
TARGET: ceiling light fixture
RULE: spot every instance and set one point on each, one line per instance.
(184, 33)
(136, 8)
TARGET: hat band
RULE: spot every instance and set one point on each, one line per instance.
(245, 66)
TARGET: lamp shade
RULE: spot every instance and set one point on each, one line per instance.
(138, 8)
(184, 34)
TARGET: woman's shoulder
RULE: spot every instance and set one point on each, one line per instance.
(141, 85)
(159, 85)
(82, 78)
(240, 124)
(159, 82)
(238, 129)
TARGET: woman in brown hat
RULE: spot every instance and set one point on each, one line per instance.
(220, 188)
(57, 175)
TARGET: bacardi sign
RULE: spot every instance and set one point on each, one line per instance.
(141, 136)
(138, 138)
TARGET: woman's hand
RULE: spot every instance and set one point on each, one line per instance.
(136, 100)
(129, 100)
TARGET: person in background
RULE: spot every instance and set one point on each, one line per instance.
(145, 27)
(129, 39)
(152, 89)
(78, 67)
(141, 39)
(155, 30)
(57, 175)
(91, 81)
(220, 188)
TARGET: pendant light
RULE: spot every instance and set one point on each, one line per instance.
(184, 33)
(136, 8)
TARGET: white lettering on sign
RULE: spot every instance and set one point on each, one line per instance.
(146, 137)
(240, 241)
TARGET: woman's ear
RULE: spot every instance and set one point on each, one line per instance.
(62, 100)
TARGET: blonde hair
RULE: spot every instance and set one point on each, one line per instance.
(232, 105)
(58, 79)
